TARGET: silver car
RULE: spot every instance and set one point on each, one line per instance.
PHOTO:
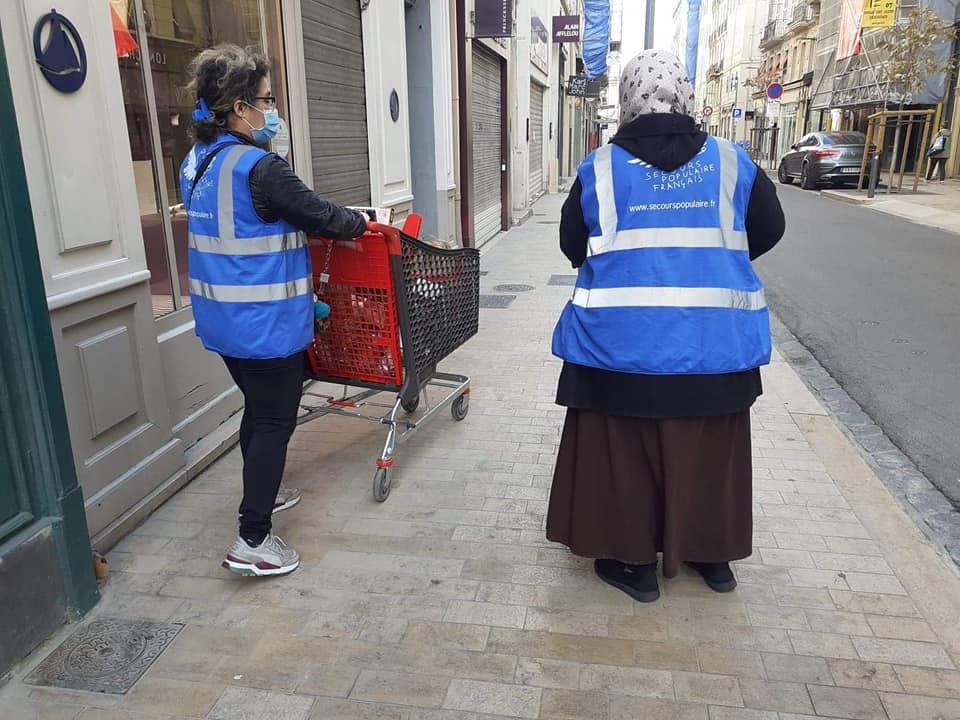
(823, 157)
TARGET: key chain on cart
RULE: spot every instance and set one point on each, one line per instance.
(321, 310)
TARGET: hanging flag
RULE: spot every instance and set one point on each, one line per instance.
(693, 39)
(596, 36)
(848, 37)
(121, 36)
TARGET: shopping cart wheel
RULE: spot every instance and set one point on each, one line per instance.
(381, 484)
(460, 407)
(411, 405)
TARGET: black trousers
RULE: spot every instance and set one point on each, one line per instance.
(271, 391)
(934, 162)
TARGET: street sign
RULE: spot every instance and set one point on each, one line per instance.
(775, 90)
(879, 13)
(736, 112)
(707, 111)
(773, 109)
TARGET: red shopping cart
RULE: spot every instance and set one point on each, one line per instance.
(398, 308)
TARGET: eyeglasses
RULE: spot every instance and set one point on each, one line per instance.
(271, 100)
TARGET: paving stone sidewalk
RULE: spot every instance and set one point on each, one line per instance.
(446, 602)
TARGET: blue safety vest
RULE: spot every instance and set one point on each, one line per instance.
(667, 286)
(250, 280)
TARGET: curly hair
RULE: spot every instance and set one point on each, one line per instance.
(222, 75)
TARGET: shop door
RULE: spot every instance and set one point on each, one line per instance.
(536, 141)
(333, 54)
(487, 145)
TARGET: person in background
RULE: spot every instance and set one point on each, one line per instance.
(250, 278)
(939, 153)
(662, 342)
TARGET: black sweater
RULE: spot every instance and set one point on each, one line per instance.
(278, 194)
(667, 142)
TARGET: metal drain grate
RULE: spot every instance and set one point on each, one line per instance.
(106, 656)
(548, 222)
(514, 288)
(499, 302)
(564, 280)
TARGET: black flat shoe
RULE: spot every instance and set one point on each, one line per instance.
(718, 576)
(637, 581)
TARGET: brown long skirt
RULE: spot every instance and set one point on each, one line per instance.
(627, 488)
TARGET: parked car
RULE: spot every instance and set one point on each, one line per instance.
(823, 157)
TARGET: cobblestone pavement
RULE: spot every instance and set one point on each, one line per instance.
(446, 602)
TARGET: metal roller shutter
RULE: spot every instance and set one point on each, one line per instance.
(487, 155)
(536, 141)
(336, 97)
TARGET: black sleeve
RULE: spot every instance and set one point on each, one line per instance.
(278, 194)
(573, 232)
(764, 222)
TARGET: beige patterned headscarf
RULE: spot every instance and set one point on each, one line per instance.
(654, 82)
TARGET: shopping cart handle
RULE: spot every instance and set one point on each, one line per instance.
(391, 233)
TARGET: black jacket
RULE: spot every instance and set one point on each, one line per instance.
(667, 142)
(278, 194)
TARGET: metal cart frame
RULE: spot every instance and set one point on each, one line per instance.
(358, 398)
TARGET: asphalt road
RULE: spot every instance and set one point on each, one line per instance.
(877, 300)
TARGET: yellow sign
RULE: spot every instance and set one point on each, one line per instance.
(879, 13)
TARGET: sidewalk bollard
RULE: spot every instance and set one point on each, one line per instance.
(874, 175)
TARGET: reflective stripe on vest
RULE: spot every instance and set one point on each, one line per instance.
(251, 293)
(669, 297)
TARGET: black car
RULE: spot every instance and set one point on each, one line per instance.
(823, 157)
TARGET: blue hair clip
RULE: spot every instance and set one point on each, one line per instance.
(202, 112)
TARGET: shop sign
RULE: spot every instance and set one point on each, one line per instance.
(879, 13)
(566, 28)
(493, 18)
(538, 30)
(63, 59)
(577, 85)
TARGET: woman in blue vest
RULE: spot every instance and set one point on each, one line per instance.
(662, 342)
(250, 280)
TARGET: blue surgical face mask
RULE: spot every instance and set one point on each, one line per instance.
(271, 125)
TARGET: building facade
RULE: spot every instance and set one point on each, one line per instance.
(728, 56)
(787, 48)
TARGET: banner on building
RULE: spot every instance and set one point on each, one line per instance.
(879, 13)
(566, 28)
(693, 39)
(848, 38)
(493, 19)
(596, 36)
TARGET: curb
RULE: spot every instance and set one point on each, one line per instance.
(926, 505)
(840, 197)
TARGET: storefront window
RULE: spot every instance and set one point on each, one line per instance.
(176, 31)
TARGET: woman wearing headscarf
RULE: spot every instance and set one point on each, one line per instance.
(662, 342)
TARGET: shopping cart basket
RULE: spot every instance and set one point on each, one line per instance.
(398, 307)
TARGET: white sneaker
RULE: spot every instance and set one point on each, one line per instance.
(286, 499)
(271, 557)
